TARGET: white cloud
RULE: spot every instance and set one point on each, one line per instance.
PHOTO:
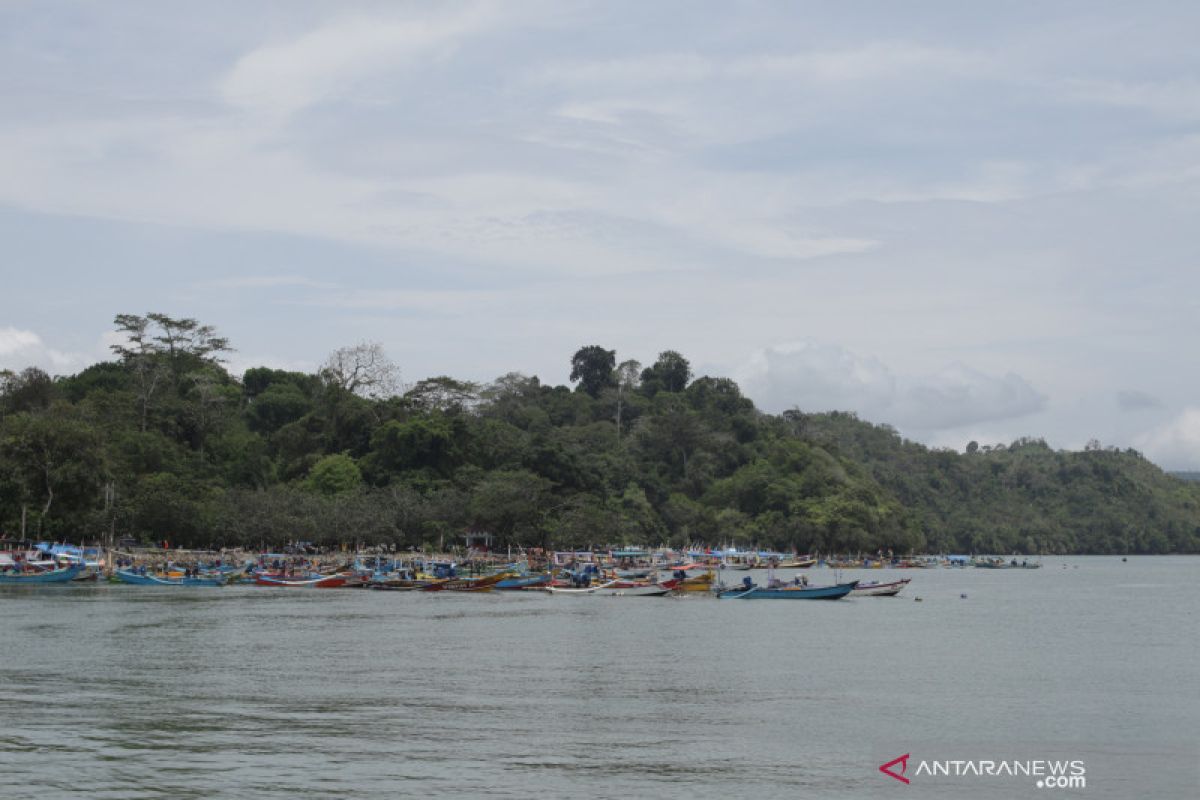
(14, 340)
(824, 377)
(289, 76)
(958, 396)
(818, 377)
(1176, 443)
(22, 348)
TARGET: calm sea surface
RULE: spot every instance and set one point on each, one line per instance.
(144, 692)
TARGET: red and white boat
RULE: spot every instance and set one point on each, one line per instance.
(319, 582)
(877, 589)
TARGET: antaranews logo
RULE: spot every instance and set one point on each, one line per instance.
(890, 767)
(1048, 774)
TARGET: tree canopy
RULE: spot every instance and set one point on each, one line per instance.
(162, 443)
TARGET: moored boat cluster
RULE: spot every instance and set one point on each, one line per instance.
(627, 573)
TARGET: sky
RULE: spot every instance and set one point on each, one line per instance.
(970, 221)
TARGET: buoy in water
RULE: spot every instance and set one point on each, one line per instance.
(1123, 558)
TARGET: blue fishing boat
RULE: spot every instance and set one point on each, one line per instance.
(60, 575)
(525, 581)
(751, 591)
(127, 576)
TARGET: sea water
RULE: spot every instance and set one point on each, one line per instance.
(113, 691)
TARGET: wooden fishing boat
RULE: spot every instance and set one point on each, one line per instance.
(396, 586)
(525, 582)
(673, 583)
(128, 576)
(60, 575)
(797, 563)
(699, 583)
(614, 589)
(755, 592)
(320, 582)
(877, 589)
(485, 584)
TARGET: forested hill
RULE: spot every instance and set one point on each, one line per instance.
(161, 443)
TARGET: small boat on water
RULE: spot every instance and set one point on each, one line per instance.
(140, 579)
(319, 582)
(1000, 563)
(698, 583)
(60, 575)
(525, 581)
(619, 589)
(802, 562)
(798, 592)
(878, 589)
(485, 584)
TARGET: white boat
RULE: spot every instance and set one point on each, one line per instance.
(615, 589)
(877, 589)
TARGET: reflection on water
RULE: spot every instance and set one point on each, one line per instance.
(145, 692)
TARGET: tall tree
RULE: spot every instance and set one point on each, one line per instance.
(670, 373)
(53, 459)
(362, 369)
(592, 368)
(31, 389)
(142, 355)
(627, 381)
(184, 340)
(157, 346)
(444, 394)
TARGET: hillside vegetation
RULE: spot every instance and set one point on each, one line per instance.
(162, 443)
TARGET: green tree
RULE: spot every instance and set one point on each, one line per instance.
(334, 474)
(53, 462)
(29, 390)
(511, 505)
(592, 368)
(670, 373)
(276, 405)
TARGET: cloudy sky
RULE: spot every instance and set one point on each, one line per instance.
(974, 221)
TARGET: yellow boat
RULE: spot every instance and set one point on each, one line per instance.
(700, 583)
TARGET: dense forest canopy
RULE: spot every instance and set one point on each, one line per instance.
(162, 443)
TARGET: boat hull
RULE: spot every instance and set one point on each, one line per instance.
(63, 575)
(615, 589)
(152, 580)
(889, 589)
(467, 584)
(835, 592)
(529, 582)
(701, 583)
(327, 582)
